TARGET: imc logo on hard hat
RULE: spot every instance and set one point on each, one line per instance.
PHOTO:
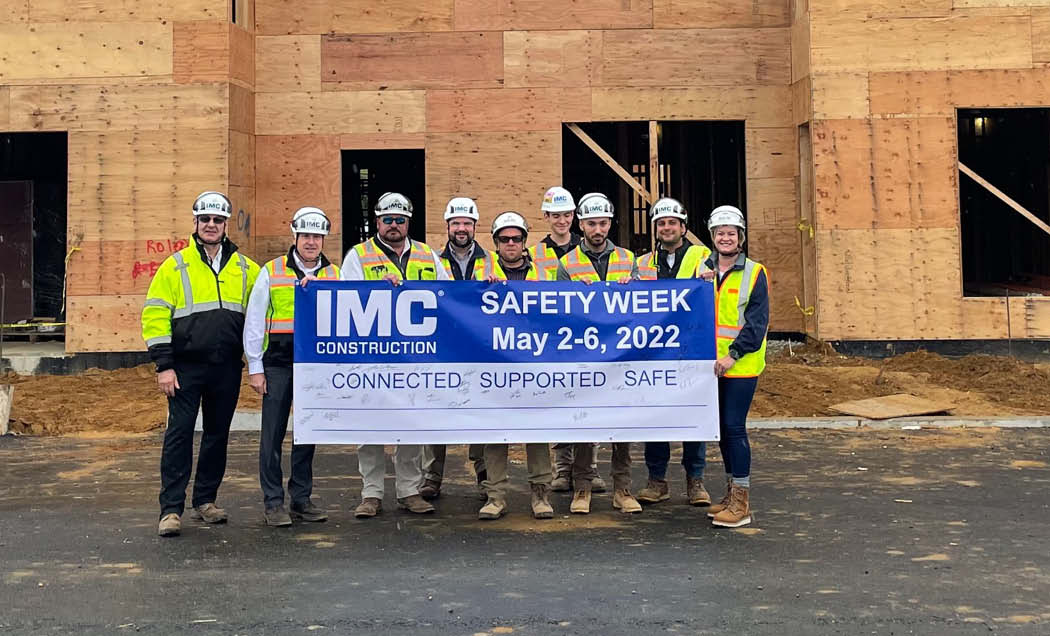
(378, 313)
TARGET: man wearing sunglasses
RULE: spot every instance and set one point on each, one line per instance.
(192, 322)
(460, 256)
(392, 256)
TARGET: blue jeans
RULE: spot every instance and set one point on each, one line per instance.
(734, 401)
(658, 455)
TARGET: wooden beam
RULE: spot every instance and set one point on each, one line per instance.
(654, 160)
(609, 161)
(1005, 199)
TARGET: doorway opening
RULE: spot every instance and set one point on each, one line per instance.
(367, 174)
(700, 163)
(1005, 159)
(33, 225)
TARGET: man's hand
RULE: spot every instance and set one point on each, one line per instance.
(723, 364)
(492, 278)
(709, 275)
(168, 382)
(624, 280)
(393, 279)
(306, 280)
(258, 382)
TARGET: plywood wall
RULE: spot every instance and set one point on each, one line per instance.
(157, 99)
(885, 81)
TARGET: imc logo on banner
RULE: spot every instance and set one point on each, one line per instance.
(377, 313)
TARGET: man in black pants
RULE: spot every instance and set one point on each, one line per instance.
(192, 322)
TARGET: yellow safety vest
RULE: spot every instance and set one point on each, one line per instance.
(580, 268)
(487, 256)
(482, 272)
(280, 317)
(376, 265)
(731, 298)
(693, 264)
(544, 257)
(185, 286)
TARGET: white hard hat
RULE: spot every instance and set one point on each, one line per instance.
(394, 203)
(212, 203)
(594, 205)
(310, 221)
(558, 199)
(668, 208)
(462, 208)
(726, 215)
(509, 219)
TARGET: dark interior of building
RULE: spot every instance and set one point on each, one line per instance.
(367, 174)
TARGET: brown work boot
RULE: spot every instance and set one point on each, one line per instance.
(170, 525)
(307, 510)
(430, 490)
(721, 505)
(369, 507)
(695, 492)
(209, 513)
(277, 517)
(562, 483)
(493, 509)
(415, 504)
(625, 502)
(655, 491)
(541, 505)
(738, 512)
(581, 502)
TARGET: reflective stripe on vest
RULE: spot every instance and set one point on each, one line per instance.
(580, 268)
(731, 299)
(534, 273)
(544, 257)
(376, 265)
(692, 264)
(280, 317)
(192, 307)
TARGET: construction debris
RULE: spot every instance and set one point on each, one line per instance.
(890, 406)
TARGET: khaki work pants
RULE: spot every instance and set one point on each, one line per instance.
(537, 460)
(434, 461)
(583, 460)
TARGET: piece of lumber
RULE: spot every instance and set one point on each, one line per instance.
(1017, 207)
(890, 406)
(654, 160)
(612, 163)
(7, 396)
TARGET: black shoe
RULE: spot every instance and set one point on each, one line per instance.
(482, 476)
(308, 511)
(277, 517)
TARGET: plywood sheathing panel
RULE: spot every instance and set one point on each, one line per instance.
(552, 58)
(677, 14)
(126, 266)
(760, 106)
(242, 159)
(382, 141)
(242, 56)
(1041, 35)
(939, 93)
(333, 112)
(242, 224)
(841, 96)
(202, 52)
(778, 251)
(521, 15)
(692, 57)
(124, 185)
(86, 50)
(292, 172)
(771, 152)
(501, 171)
(104, 323)
(288, 63)
(841, 45)
(278, 17)
(864, 9)
(892, 173)
(245, 14)
(800, 46)
(14, 11)
(772, 203)
(242, 109)
(118, 107)
(802, 100)
(506, 109)
(5, 106)
(126, 10)
(412, 60)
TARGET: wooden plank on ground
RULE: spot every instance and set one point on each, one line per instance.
(288, 63)
(292, 172)
(506, 109)
(278, 17)
(890, 406)
(696, 57)
(552, 58)
(412, 60)
(56, 51)
(714, 14)
(334, 112)
(519, 15)
(104, 323)
(760, 106)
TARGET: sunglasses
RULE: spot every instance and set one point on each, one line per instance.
(510, 239)
(393, 220)
(217, 220)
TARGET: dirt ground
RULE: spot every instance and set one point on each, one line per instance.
(803, 381)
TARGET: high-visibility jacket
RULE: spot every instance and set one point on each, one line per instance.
(486, 257)
(731, 297)
(693, 263)
(376, 264)
(580, 268)
(193, 314)
(544, 257)
(280, 317)
(483, 271)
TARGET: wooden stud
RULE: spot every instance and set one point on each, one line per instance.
(612, 163)
(654, 160)
(999, 194)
